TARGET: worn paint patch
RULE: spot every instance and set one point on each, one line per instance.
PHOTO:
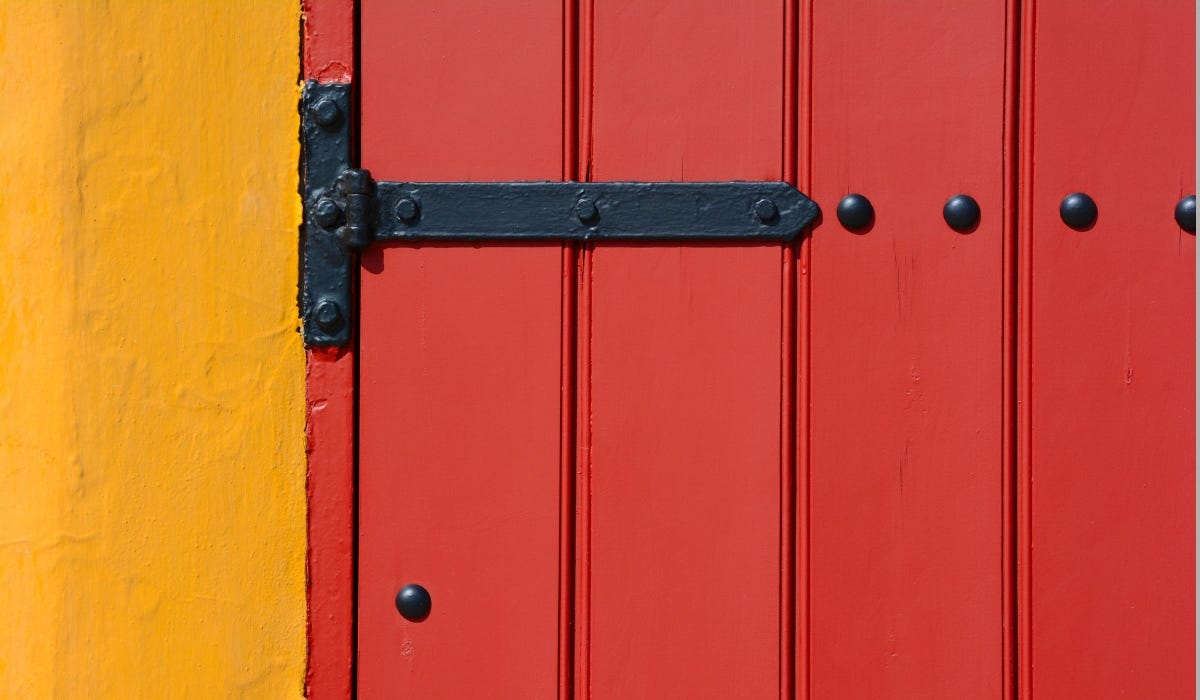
(151, 376)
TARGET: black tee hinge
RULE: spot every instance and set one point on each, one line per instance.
(346, 211)
(337, 214)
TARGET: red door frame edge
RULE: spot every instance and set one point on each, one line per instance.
(329, 56)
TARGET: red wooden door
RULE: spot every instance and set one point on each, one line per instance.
(715, 470)
(1109, 334)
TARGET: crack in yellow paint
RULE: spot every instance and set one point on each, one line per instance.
(151, 378)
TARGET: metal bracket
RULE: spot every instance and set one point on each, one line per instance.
(591, 211)
(345, 211)
(325, 300)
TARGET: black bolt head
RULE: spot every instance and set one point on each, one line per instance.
(326, 113)
(855, 212)
(327, 213)
(407, 210)
(1185, 214)
(1078, 211)
(766, 211)
(414, 603)
(961, 213)
(587, 211)
(328, 316)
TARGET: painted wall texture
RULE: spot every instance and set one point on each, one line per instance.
(152, 508)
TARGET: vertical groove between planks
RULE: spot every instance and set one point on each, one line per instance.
(1025, 354)
(1008, 518)
(568, 407)
(567, 459)
(570, 81)
(584, 23)
(583, 501)
(803, 286)
(788, 388)
(585, 16)
(567, 478)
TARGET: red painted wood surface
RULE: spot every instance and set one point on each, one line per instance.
(1109, 473)
(459, 478)
(328, 40)
(329, 56)
(864, 380)
(330, 431)
(461, 391)
(906, 487)
(680, 560)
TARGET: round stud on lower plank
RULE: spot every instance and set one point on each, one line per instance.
(1078, 211)
(961, 213)
(414, 603)
(855, 212)
(1185, 213)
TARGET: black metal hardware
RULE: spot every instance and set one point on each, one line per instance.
(414, 602)
(357, 190)
(346, 210)
(325, 301)
(1185, 213)
(961, 213)
(1078, 211)
(855, 212)
(661, 211)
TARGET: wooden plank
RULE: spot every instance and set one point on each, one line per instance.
(680, 545)
(461, 351)
(906, 488)
(1110, 384)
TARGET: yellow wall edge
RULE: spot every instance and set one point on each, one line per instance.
(152, 465)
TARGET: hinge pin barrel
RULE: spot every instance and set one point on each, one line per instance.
(359, 190)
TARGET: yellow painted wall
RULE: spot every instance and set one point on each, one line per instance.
(151, 378)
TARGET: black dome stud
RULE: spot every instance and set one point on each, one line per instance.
(414, 603)
(766, 211)
(586, 211)
(1185, 214)
(1078, 211)
(855, 212)
(326, 113)
(961, 213)
(408, 210)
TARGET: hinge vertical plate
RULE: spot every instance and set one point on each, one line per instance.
(326, 302)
